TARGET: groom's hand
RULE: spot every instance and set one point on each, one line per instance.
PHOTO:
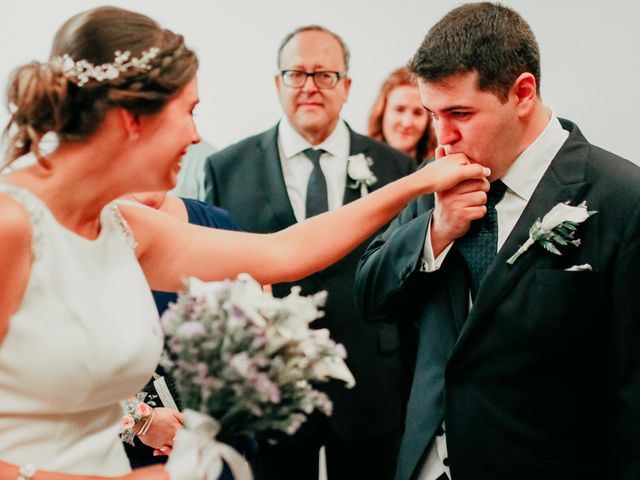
(455, 209)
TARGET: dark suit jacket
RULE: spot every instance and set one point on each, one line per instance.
(541, 378)
(246, 179)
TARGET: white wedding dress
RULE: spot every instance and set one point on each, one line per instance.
(85, 337)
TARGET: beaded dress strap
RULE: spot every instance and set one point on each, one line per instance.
(35, 210)
(122, 224)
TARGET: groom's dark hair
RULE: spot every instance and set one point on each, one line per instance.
(488, 38)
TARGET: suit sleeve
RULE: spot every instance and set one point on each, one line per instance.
(410, 167)
(625, 318)
(388, 276)
(210, 191)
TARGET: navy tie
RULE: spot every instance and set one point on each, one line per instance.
(317, 201)
(480, 244)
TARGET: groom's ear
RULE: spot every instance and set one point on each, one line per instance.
(525, 93)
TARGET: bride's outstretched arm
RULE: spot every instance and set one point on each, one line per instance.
(169, 250)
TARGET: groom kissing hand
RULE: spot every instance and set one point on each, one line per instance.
(456, 208)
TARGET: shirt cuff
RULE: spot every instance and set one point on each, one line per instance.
(429, 263)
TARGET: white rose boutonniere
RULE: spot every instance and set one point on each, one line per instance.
(359, 173)
(558, 226)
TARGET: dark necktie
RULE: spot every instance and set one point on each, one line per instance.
(317, 201)
(480, 244)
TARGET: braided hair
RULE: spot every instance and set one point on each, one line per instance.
(43, 98)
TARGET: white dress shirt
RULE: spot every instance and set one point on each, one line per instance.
(521, 180)
(296, 167)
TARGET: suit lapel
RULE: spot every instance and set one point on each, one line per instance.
(358, 144)
(272, 178)
(563, 181)
(459, 285)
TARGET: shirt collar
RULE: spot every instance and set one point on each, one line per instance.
(526, 172)
(292, 143)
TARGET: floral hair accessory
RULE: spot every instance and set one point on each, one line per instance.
(360, 174)
(135, 410)
(84, 70)
(557, 226)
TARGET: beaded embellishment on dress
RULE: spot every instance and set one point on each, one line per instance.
(125, 229)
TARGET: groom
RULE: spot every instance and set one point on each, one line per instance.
(301, 167)
(529, 370)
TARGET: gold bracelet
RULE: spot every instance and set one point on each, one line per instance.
(147, 423)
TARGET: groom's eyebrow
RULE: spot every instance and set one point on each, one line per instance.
(448, 109)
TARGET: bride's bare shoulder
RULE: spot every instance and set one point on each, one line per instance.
(15, 257)
(14, 218)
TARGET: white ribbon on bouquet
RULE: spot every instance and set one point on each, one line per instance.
(197, 455)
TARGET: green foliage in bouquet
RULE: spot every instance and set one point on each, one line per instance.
(248, 359)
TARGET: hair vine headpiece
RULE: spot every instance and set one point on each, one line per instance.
(84, 70)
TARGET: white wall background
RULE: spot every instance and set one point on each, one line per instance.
(589, 48)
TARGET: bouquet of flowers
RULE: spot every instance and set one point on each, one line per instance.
(247, 359)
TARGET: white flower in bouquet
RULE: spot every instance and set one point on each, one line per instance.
(328, 367)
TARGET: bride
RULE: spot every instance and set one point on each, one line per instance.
(78, 328)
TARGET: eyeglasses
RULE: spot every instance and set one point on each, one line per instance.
(322, 80)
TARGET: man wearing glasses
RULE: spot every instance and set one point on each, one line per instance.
(296, 170)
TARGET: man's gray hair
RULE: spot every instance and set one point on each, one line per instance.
(346, 55)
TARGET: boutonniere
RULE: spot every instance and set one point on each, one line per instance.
(359, 173)
(558, 226)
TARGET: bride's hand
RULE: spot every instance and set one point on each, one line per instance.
(448, 171)
(163, 429)
(156, 472)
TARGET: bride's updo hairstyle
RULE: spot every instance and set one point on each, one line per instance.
(140, 66)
